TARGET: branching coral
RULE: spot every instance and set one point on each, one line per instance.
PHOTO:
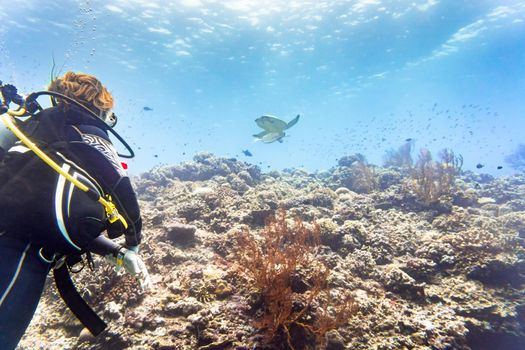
(365, 180)
(402, 157)
(291, 297)
(356, 174)
(112, 286)
(431, 180)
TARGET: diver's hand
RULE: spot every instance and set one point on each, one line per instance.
(134, 265)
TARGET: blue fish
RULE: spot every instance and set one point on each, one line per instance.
(247, 153)
(147, 109)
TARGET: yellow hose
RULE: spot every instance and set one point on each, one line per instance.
(18, 113)
(110, 208)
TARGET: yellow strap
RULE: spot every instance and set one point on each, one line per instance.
(111, 209)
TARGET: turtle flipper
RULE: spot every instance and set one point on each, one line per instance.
(260, 135)
(293, 122)
(273, 136)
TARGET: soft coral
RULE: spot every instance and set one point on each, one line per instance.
(273, 263)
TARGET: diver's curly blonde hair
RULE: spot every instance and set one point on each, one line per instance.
(84, 88)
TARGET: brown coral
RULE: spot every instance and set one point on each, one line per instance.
(432, 180)
(275, 265)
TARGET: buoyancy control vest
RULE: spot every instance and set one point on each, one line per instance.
(36, 202)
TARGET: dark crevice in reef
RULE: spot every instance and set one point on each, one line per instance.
(489, 340)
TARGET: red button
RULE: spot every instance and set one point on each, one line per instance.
(124, 165)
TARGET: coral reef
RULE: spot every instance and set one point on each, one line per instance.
(242, 259)
(433, 181)
(401, 158)
(290, 278)
(354, 173)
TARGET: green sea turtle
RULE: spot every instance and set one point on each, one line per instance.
(273, 128)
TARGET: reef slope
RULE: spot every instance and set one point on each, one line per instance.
(447, 275)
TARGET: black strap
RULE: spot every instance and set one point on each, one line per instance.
(76, 303)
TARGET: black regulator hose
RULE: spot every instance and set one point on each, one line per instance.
(33, 96)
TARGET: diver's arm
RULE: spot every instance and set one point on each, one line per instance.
(104, 246)
(122, 257)
(125, 195)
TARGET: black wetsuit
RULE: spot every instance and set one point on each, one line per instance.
(42, 216)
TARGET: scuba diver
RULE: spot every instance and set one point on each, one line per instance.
(64, 194)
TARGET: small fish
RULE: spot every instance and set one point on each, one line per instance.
(479, 166)
(247, 153)
(147, 109)
(409, 139)
(499, 167)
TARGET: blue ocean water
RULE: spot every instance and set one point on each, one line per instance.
(365, 75)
